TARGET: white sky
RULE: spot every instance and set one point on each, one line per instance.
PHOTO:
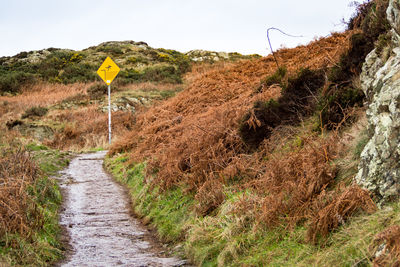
(183, 25)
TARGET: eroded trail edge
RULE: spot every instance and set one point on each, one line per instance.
(97, 217)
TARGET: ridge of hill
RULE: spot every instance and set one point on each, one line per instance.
(139, 63)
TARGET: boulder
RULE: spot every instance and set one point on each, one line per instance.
(379, 168)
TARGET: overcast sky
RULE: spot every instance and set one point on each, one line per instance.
(219, 25)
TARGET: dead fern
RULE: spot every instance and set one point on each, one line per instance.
(19, 212)
(390, 239)
(343, 204)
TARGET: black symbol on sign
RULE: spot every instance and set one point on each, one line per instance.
(108, 67)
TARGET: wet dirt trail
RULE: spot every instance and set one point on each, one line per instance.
(97, 217)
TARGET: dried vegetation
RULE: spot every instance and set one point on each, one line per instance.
(40, 94)
(249, 127)
(87, 128)
(73, 111)
(29, 202)
(19, 213)
(389, 240)
(241, 127)
(212, 135)
(193, 137)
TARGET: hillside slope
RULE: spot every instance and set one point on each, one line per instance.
(254, 163)
(39, 88)
(236, 160)
(207, 113)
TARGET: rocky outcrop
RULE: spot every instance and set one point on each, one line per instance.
(379, 169)
(203, 55)
(126, 103)
(211, 56)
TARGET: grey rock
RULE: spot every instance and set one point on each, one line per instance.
(37, 131)
(379, 168)
(380, 251)
(126, 104)
(393, 15)
(203, 55)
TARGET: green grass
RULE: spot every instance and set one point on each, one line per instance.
(43, 247)
(36, 147)
(168, 93)
(96, 149)
(50, 161)
(169, 211)
(361, 144)
(351, 243)
(225, 240)
(232, 238)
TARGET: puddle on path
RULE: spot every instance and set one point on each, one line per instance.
(97, 218)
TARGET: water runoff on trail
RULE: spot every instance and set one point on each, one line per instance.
(100, 228)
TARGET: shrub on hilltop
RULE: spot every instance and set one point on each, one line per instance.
(36, 111)
(12, 81)
(369, 25)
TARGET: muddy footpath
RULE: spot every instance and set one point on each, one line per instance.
(98, 223)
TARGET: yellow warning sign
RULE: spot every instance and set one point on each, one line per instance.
(108, 70)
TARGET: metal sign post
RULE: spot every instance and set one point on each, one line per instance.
(108, 71)
(109, 114)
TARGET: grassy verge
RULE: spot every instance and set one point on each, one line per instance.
(228, 237)
(41, 246)
(169, 211)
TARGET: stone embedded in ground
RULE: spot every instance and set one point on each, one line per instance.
(35, 130)
(127, 104)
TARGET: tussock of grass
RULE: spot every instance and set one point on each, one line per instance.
(34, 111)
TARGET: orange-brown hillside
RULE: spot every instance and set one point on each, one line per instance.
(195, 134)
(194, 141)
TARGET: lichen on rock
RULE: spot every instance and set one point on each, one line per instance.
(379, 168)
